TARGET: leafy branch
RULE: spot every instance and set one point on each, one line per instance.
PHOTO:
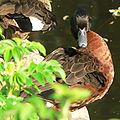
(18, 73)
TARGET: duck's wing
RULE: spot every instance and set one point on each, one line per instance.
(82, 70)
(13, 6)
(7, 7)
(30, 8)
(80, 67)
(37, 8)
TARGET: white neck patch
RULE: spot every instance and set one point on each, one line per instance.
(37, 24)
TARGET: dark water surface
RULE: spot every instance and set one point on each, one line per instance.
(109, 106)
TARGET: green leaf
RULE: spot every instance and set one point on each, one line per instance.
(16, 54)
(34, 116)
(19, 80)
(1, 80)
(80, 93)
(41, 66)
(41, 107)
(37, 46)
(7, 55)
(10, 67)
(39, 77)
(49, 76)
(44, 112)
(21, 77)
(2, 36)
(29, 81)
(1, 33)
(72, 94)
(53, 63)
(32, 67)
(8, 42)
(40, 47)
(1, 67)
(37, 88)
(14, 98)
(1, 30)
(17, 40)
(11, 80)
(60, 72)
(35, 100)
(23, 50)
(24, 111)
(2, 49)
(29, 91)
(2, 98)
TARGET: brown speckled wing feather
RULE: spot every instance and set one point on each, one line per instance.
(37, 9)
(79, 67)
(82, 70)
(34, 8)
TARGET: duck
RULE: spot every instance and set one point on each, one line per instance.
(89, 65)
(27, 15)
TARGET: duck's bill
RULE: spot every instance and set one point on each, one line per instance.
(82, 38)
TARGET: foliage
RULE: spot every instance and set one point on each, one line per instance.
(115, 12)
(17, 75)
(67, 96)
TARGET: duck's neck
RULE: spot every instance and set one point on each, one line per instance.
(98, 47)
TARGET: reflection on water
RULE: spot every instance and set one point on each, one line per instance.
(109, 106)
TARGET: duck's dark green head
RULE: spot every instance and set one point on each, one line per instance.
(80, 25)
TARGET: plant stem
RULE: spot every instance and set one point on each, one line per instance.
(10, 92)
(65, 110)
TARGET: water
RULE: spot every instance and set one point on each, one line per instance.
(109, 106)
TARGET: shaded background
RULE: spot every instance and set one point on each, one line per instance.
(104, 24)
